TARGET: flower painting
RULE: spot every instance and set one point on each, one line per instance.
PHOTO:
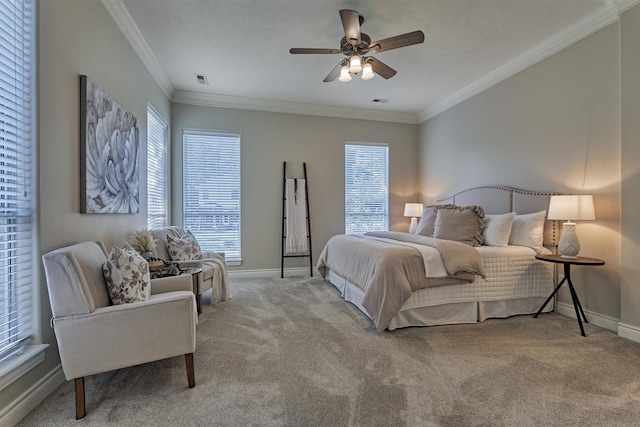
(109, 153)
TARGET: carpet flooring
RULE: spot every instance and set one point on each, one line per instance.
(291, 352)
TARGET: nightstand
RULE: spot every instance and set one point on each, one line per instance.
(568, 262)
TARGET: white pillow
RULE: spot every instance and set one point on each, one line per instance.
(497, 229)
(528, 230)
(126, 273)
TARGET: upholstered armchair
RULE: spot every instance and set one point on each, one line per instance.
(214, 273)
(96, 336)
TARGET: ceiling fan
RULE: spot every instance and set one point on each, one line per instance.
(355, 45)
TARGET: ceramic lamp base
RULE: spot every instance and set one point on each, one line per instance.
(569, 247)
(414, 225)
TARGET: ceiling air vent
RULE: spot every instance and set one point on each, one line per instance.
(202, 79)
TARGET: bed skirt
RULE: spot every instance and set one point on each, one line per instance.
(443, 314)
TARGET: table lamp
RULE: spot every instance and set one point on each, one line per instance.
(573, 207)
(413, 210)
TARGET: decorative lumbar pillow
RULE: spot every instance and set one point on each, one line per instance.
(428, 219)
(462, 224)
(185, 248)
(126, 273)
(528, 230)
(497, 229)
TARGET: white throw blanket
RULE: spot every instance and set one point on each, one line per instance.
(296, 241)
(433, 265)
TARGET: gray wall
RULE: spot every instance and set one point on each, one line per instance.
(78, 37)
(552, 127)
(630, 90)
(269, 139)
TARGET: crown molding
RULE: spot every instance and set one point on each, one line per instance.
(600, 18)
(622, 5)
(225, 101)
(124, 21)
(129, 29)
(608, 13)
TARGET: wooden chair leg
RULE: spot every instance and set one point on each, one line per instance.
(191, 374)
(80, 412)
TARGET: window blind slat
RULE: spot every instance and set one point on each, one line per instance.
(17, 23)
(366, 188)
(212, 190)
(157, 171)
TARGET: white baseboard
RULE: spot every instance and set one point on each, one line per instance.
(11, 414)
(629, 332)
(273, 273)
(597, 319)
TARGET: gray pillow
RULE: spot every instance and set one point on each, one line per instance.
(427, 220)
(462, 224)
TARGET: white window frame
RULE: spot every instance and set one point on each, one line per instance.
(158, 170)
(354, 206)
(18, 183)
(223, 190)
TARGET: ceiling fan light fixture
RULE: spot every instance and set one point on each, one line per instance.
(355, 64)
(344, 74)
(367, 71)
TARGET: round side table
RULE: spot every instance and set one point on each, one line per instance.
(567, 263)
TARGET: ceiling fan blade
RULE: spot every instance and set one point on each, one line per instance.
(351, 24)
(333, 74)
(299, 50)
(381, 69)
(402, 40)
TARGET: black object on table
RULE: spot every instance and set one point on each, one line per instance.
(567, 262)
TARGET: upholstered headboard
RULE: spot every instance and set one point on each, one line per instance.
(499, 200)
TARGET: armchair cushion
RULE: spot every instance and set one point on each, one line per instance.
(185, 248)
(126, 274)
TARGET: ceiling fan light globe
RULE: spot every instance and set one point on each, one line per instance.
(344, 74)
(355, 64)
(367, 72)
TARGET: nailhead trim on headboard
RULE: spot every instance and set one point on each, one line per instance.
(551, 239)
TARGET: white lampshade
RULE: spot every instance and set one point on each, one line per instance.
(413, 209)
(572, 207)
(344, 74)
(355, 64)
(367, 71)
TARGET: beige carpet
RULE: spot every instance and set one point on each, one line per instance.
(291, 352)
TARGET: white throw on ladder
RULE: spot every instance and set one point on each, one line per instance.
(296, 241)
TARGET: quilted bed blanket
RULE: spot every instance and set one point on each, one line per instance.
(389, 266)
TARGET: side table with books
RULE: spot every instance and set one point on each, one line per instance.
(160, 268)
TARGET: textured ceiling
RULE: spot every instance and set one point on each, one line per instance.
(242, 46)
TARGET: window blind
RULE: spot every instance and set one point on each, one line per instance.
(366, 187)
(17, 82)
(157, 171)
(211, 189)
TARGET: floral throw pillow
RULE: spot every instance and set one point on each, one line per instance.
(185, 248)
(127, 275)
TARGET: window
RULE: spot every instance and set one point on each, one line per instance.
(366, 187)
(157, 171)
(211, 188)
(17, 132)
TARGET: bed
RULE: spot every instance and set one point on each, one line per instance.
(508, 280)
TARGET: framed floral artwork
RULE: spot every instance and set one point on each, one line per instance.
(109, 153)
